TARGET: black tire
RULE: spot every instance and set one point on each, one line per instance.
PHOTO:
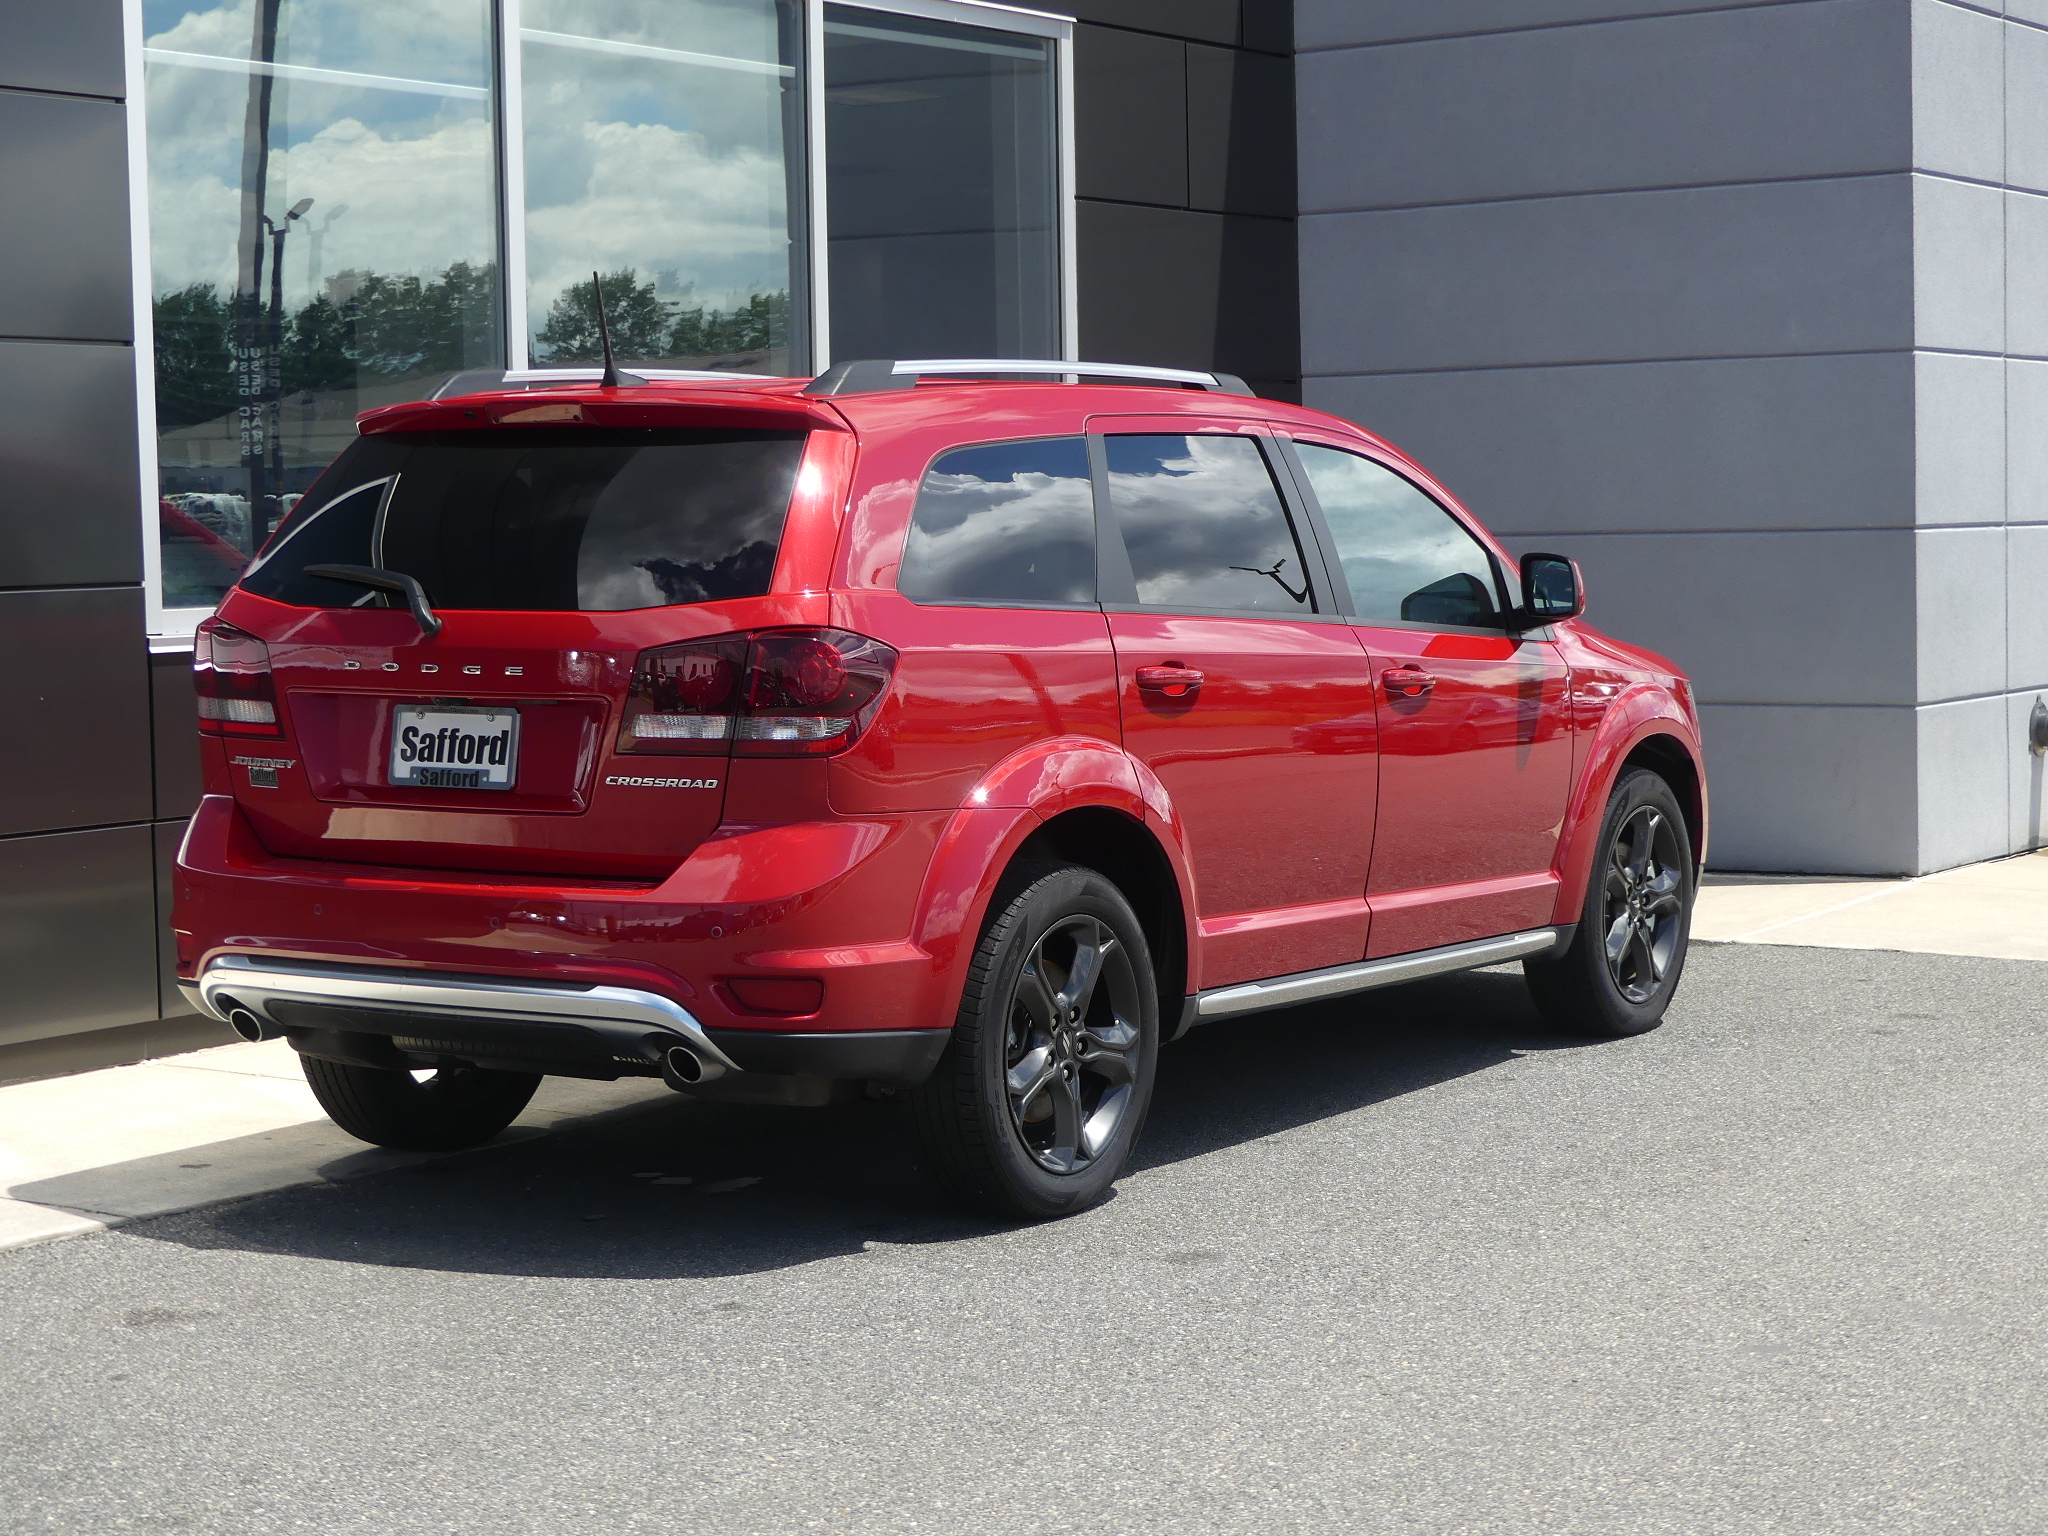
(456, 1107)
(1624, 963)
(1030, 1015)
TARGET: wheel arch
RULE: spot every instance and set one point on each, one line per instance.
(1666, 756)
(1125, 852)
(1643, 729)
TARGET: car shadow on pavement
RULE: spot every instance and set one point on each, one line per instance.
(677, 1189)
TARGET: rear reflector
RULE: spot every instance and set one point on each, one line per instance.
(231, 675)
(792, 996)
(773, 693)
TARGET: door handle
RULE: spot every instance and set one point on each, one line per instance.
(1174, 682)
(1407, 682)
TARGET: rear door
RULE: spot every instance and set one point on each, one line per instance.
(1242, 690)
(551, 558)
(1475, 736)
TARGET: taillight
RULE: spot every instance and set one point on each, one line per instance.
(777, 693)
(231, 674)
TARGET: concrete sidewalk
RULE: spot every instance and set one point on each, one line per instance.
(79, 1154)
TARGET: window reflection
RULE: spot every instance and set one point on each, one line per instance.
(1405, 558)
(1011, 522)
(663, 146)
(940, 192)
(324, 239)
(1204, 525)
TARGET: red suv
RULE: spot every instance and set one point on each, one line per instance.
(956, 729)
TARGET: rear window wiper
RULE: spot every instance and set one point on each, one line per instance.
(380, 580)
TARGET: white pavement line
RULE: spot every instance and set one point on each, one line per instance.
(1841, 906)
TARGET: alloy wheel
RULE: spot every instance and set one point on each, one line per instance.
(1644, 905)
(1073, 1024)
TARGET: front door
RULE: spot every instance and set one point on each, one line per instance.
(1475, 735)
(1246, 694)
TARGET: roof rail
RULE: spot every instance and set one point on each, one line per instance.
(875, 375)
(474, 380)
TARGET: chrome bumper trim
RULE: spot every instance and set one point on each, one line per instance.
(1338, 980)
(624, 1016)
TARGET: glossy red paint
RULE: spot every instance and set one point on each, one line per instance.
(1315, 791)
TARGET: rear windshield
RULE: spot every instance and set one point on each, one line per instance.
(595, 521)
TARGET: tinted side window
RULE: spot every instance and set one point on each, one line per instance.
(1204, 525)
(1404, 556)
(1014, 522)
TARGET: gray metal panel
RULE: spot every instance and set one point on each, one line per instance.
(2026, 445)
(2024, 274)
(1761, 618)
(1962, 753)
(1209, 21)
(1240, 132)
(2026, 607)
(1959, 411)
(1958, 90)
(1960, 238)
(2026, 106)
(174, 715)
(64, 237)
(1130, 116)
(75, 696)
(164, 839)
(1714, 272)
(67, 465)
(62, 45)
(1189, 290)
(1338, 23)
(1805, 90)
(1959, 586)
(1269, 24)
(1793, 442)
(1852, 807)
(77, 932)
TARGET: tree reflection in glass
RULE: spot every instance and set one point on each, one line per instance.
(663, 145)
(324, 237)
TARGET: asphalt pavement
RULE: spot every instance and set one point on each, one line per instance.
(1409, 1263)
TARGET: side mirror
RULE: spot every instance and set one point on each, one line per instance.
(1552, 589)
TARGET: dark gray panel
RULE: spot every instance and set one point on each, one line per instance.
(1818, 266)
(1335, 23)
(110, 1048)
(1131, 116)
(174, 730)
(1799, 442)
(77, 932)
(64, 233)
(1269, 24)
(68, 492)
(1240, 132)
(1209, 21)
(1854, 809)
(73, 45)
(1803, 90)
(1191, 290)
(75, 696)
(164, 838)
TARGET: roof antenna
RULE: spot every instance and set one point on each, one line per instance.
(604, 335)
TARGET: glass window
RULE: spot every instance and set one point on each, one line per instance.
(323, 239)
(1204, 525)
(597, 522)
(1406, 558)
(941, 186)
(664, 147)
(1014, 522)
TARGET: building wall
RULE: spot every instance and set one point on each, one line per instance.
(1739, 304)
(1184, 153)
(89, 805)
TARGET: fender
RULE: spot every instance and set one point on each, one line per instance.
(1641, 712)
(1014, 799)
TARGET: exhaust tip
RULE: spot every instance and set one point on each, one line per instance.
(248, 1025)
(682, 1067)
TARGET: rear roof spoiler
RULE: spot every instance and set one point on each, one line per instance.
(477, 381)
(877, 375)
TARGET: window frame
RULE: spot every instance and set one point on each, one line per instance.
(1333, 560)
(171, 629)
(1112, 557)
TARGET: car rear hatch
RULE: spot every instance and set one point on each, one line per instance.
(480, 728)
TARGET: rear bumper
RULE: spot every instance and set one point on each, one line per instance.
(404, 1018)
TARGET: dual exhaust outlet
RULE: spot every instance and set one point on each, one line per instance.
(681, 1067)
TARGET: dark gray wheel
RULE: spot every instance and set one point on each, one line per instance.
(434, 1112)
(1625, 960)
(1035, 1106)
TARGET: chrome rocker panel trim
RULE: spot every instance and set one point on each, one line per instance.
(1363, 976)
(624, 1016)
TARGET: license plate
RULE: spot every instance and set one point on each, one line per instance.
(444, 747)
